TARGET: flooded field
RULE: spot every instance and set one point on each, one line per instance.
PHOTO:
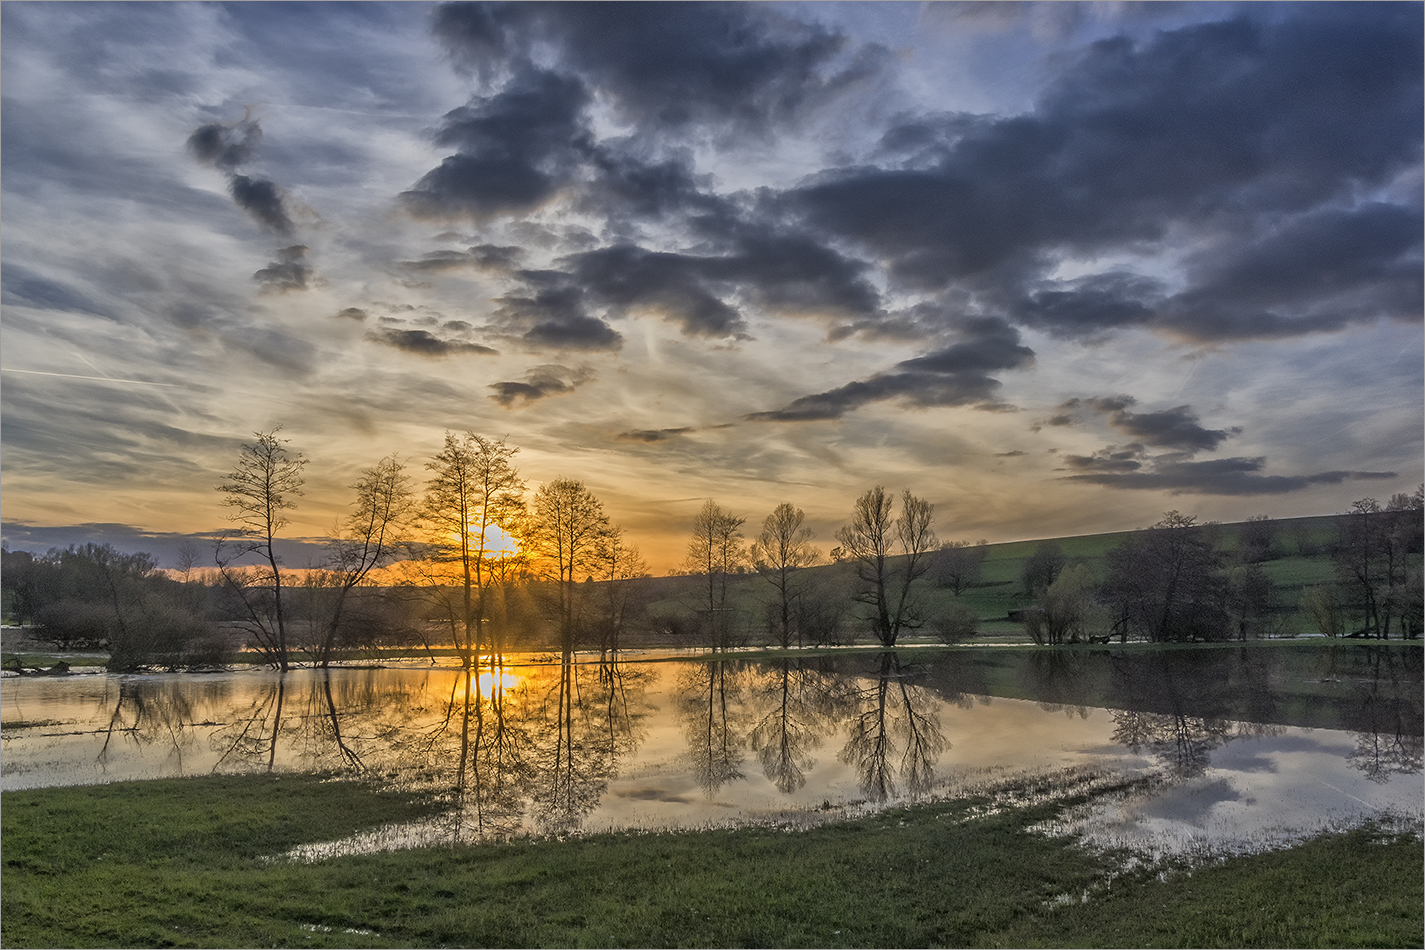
(1230, 748)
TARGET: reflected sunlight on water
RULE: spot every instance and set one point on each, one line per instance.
(1221, 747)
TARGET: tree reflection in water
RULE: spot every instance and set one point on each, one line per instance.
(145, 717)
(709, 703)
(535, 747)
(584, 724)
(895, 732)
(1385, 712)
(796, 704)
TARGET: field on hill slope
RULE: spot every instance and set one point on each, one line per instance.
(677, 599)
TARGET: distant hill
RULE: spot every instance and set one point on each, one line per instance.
(1297, 559)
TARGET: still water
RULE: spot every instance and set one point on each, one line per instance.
(1236, 748)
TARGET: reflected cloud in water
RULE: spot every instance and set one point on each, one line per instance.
(1233, 742)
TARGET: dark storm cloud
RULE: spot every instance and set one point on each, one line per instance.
(289, 272)
(539, 383)
(669, 71)
(227, 147)
(674, 285)
(1230, 476)
(1089, 305)
(1176, 428)
(629, 188)
(777, 273)
(352, 313)
(1319, 271)
(551, 314)
(741, 67)
(956, 375)
(425, 343)
(1267, 125)
(515, 150)
(263, 201)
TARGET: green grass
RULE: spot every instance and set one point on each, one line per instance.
(181, 863)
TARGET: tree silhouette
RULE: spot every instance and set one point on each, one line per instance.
(715, 551)
(782, 549)
(259, 490)
(567, 529)
(473, 497)
(890, 554)
(370, 537)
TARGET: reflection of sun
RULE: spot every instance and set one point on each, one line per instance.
(503, 679)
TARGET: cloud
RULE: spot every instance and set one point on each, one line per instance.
(352, 313)
(553, 317)
(653, 435)
(425, 343)
(739, 68)
(263, 201)
(166, 546)
(1128, 458)
(1230, 476)
(956, 375)
(289, 272)
(515, 150)
(1175, 428)
(539, 383)
(483, 257)
(1268, 126)
(1319, 271)
(229, 147)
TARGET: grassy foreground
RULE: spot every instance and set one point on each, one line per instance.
(182, 863)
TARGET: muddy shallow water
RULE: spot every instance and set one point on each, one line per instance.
(1243, 747)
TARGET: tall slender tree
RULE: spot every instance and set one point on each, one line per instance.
(716, 550)
(567, 529)
(781, 550)
(471, 503)
(264, 485)
(368, 538)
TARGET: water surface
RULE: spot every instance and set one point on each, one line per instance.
(1253, 745)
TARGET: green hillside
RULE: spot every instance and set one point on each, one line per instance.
(997, 590)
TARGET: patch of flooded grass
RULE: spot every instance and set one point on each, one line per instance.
(182, 862)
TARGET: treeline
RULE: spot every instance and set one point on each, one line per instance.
(1175, 582)
(472, 560)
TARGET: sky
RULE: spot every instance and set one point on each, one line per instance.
(1056, 268)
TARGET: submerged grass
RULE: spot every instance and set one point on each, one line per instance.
(187, 863)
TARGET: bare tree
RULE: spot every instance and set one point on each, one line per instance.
(958, 564)
(1166, 582)
(890, 554)
(259, 490)
(715, 551)
(370, 537)
(620, 566)
(782, 549)
(472, 499)
(567, 528)
(1041, 568)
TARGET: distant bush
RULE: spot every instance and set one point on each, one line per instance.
(958, 624)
